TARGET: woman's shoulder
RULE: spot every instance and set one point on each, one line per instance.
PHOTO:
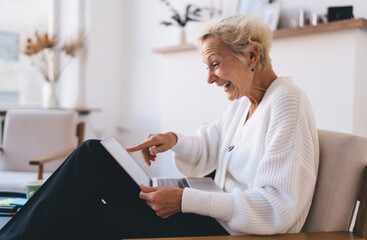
(283, 85)
(283, 90)
(283, 96)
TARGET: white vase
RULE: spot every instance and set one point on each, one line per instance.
(49, 98)
(183, 36)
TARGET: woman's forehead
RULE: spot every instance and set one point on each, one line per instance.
(213, 45)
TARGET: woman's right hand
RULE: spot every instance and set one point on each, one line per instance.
(154, 143)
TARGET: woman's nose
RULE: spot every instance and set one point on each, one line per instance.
(211, 77)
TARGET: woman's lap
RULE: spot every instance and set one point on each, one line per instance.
(70, 205)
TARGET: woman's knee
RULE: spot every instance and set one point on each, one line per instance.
(89, 146)
(88, 150)
(90, 143)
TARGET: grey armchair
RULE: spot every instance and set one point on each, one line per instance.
(37, 137)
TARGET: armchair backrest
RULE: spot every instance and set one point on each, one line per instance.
(343, 159)
(33, 133)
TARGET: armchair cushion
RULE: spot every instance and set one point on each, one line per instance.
(31, 134)
(15, 180)
(343, 158)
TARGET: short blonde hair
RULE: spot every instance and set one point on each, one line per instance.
(240, 33)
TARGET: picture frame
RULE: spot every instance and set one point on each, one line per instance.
(251, 6)
(270, 14)
(9, 46)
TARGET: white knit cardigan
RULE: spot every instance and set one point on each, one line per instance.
(269, 176)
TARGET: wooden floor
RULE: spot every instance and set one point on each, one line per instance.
(297, 236)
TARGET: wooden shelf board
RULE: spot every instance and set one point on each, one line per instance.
(286, 33)
(173, 49)
(289, 236)
(81, 111)
(321, 28)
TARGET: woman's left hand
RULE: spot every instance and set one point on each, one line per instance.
(164, 200)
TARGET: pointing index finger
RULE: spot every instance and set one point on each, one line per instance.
(141, 146)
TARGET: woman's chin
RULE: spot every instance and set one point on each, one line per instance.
(231, 97)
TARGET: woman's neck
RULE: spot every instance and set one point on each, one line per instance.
(261, 83)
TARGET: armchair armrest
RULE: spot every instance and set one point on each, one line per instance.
(296, 236)
(41, 161)
(80, 132)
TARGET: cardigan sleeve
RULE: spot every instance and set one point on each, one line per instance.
(280, 196)
(197, 155)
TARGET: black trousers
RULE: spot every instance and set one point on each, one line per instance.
(91, 197)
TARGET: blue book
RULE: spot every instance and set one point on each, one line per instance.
(19, 201)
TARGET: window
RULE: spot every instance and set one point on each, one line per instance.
(20, 83)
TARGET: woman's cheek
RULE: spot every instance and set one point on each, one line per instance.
(221, 74)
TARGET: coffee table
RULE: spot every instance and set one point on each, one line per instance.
(9, 194)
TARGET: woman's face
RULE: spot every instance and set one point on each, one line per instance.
(225, 69)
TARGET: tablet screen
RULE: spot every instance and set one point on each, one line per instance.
(126, 161)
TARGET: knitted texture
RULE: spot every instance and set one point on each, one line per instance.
(269, 176)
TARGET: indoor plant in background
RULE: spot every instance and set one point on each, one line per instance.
(51, 57)
(192, 13)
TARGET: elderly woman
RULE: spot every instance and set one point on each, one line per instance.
(264, 149)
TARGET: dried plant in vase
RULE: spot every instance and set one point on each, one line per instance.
(45, 52)
(44, 49)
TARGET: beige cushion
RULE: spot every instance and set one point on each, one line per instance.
(31, 134)
(343, 158)
(16, 181)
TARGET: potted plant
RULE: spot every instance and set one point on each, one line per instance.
(192, 14)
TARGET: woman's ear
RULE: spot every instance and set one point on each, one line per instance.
(254, 55)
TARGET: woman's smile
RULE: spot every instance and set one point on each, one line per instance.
(225, 85)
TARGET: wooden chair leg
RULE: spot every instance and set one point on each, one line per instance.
(80, 132)
(40, 171)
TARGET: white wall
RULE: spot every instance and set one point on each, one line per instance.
(360, 109)
(104, 66)
(69, 22)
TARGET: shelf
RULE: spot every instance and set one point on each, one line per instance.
(286, 33)
(321, 28)
(80, 111)
(173, 49)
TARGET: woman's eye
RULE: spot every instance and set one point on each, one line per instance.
(214, 65)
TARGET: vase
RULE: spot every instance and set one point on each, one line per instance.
(183, 36)
(49, 98)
